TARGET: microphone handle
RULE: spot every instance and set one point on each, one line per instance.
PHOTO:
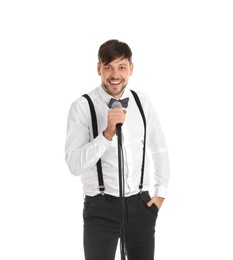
(118, 130)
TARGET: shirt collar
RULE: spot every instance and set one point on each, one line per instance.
(106, 97)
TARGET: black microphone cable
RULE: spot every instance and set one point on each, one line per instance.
(122, 207)
(117, 104)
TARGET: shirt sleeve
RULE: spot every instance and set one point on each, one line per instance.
(80, 151)
(159, 153)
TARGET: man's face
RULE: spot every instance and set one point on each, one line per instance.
(115, 76)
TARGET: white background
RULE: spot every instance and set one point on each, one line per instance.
(183, 56)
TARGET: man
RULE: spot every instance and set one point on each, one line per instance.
(101, 214)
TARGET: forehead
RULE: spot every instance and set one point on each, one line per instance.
(118, 61)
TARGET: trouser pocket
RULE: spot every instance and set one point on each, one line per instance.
(145, 197)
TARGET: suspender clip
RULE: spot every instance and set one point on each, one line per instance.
(140, 187)
(101, 188)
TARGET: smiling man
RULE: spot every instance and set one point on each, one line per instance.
(94, 156)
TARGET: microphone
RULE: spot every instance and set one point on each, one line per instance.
(117, 104)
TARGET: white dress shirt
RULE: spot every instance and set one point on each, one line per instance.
(82, 151)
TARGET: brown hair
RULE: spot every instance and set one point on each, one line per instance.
(113, 49)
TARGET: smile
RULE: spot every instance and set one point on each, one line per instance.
(115, 82)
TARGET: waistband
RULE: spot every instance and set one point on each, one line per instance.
(108, 197)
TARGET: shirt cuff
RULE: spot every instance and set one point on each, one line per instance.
(160, 191)
(101, 141)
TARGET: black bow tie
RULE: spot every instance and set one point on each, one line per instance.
(124, 102)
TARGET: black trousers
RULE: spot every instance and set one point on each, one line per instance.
(101, 215)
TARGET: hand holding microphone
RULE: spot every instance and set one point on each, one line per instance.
(116, 117)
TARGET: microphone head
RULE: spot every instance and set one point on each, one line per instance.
(116, 104)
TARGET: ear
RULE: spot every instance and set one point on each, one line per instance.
(98, 68)
(131, 69)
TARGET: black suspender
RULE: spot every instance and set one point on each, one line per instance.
(144, 143)
(95, 133)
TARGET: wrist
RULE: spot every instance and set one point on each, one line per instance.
(108, 135)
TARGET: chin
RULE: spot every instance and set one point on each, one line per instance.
(114, 90)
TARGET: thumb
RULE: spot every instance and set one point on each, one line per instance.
(149, 204)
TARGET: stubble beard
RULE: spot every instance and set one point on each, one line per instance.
(111, 92)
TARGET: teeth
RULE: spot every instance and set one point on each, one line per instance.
(115, 82)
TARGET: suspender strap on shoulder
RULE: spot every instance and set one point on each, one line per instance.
(144, 143)
(95, 133)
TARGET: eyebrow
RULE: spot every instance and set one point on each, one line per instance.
(122, 64)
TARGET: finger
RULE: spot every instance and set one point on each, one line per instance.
(149, 204)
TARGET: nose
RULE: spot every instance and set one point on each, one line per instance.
(114, 74)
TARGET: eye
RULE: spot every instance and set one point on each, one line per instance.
(107, 68)
(122, 68)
